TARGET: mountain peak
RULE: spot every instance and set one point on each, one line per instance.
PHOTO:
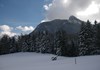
(73, 19)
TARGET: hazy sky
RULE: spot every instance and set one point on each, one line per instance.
(22, 16)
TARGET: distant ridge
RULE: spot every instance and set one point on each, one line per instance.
(71, 25)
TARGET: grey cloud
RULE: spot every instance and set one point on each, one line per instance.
(60, 11)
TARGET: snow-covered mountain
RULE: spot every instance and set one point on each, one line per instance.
(73, 19)
(71, 25)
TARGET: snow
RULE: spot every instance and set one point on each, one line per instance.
(37, 61)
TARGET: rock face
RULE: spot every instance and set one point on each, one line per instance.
(71, 25)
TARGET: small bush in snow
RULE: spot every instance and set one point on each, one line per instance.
(54, 58)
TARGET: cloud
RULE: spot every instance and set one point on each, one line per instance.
(7, 33)
(63, 9)
(91, 10)
(5, 29)
(46, 7)
(25, 28)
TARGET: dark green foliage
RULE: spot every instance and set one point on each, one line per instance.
(72, 49)
(97, 38)
(7, 44)
(4, 45)
(88, 39)
(61, 43)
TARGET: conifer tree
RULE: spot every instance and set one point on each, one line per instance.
(5, 44)
(86, 36)
(61, 43)
(97, 38)
(82, 48)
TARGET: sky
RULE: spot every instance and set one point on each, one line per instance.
(22, 16)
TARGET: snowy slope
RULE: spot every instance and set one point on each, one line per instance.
(36, 61)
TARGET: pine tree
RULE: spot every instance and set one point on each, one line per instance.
(31, 41)
(95, 31)
(97, 38)
(56, 42)
(89, 38)
(86, 36)
(72, 50)
(12, 45)
(82, 46)
(60, 43)
(44, 42)
(63, 41)
(24, 44)
(5, 44)
(38, 42)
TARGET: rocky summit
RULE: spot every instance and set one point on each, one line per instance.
(71, 25)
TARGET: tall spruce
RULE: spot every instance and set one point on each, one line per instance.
(39, 41)
(97, 38)
(86, 41)
(82, 46)
(45, 42)
(5, 44)
(60, 42)
(12, 45)
(89, 36)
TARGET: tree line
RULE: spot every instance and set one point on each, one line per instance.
(86, 42)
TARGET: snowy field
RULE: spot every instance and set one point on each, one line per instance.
(37, 61)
